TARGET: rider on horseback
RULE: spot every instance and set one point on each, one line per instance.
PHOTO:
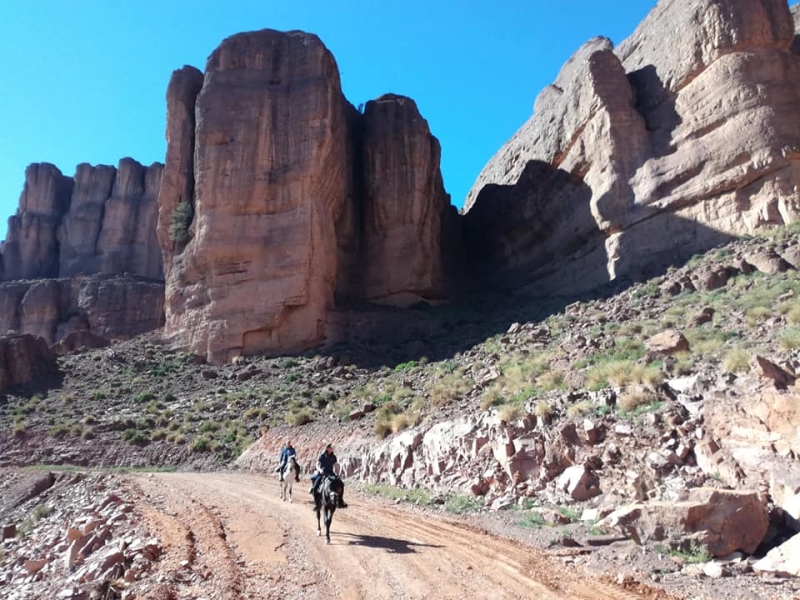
(327, 466)
(287, 451)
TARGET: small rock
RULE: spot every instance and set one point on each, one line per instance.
(667, 342)
(715, 570)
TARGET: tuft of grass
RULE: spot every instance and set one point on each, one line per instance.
(510, 412)
(579, 409)
(790, 339)
(491, 397)
(736, 361)
(461, 504)
(532, 521)
(543, 409)
(179, 222)
(450, 387)
(299, 416)
(405, 366)
(135, 437)
(634, 398)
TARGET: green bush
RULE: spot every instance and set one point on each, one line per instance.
(179, 224)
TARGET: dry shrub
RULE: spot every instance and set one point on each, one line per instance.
(635, 397)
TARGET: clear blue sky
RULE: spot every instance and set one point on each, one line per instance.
(84, 81)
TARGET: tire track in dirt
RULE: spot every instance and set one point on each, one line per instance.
(269, 549)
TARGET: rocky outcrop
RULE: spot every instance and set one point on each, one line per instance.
(262, 220)
(25, 361)
(115, 307)
(100, 221)
(639, 157)
(404, 199)
(720, 521)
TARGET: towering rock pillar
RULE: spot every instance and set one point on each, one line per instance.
(255, 269)
(404, 199)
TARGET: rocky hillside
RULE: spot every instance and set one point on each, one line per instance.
(652, 408)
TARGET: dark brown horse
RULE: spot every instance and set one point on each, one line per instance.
(326, 499)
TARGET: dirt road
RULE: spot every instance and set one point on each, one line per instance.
(230, 536)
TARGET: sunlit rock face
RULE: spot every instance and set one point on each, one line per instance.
(640, 156)
(288, 198)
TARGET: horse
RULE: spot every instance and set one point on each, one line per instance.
(292, 468)
(327, 499)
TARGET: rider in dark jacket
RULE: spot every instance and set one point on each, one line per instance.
(327, 465)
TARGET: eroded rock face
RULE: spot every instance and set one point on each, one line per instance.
(259, 271)
(404, 199)
(110, 227)
(637, 158)
(116, 307)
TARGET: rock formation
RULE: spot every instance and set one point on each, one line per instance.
(110, 226)
(262, 220)
(31, 246)
(404, 199)
(116, 307)
(101, 221)
(25, 360)
(69, 246)
(639, 157)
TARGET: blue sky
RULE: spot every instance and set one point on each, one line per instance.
(84, 81)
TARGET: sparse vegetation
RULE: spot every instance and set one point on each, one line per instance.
(736, 361)
(179, 224)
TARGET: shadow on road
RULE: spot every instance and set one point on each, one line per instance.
(392, 545)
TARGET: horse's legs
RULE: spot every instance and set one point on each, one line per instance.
(319, 528)
(328, 518)
(290, 490)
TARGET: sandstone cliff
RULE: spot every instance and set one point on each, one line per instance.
(639, 157)
(100, 221)
(278, 196)
(82, 253)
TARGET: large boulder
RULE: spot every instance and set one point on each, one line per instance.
(25, 363)
(720, 521)
(639, 157)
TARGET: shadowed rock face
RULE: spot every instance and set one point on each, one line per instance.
(404, 199)
(291, 196)
(640, 157)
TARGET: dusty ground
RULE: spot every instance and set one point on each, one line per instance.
(230, 536)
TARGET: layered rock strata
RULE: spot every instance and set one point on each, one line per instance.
(639, 157)
(279, 197)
